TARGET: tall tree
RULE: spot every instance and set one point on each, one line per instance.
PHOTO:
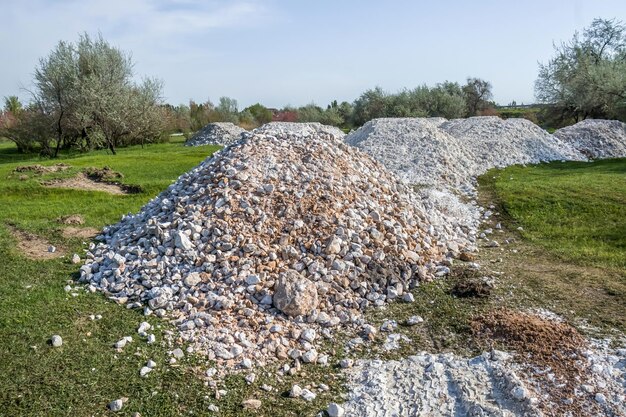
(477, 94)
(587, 75)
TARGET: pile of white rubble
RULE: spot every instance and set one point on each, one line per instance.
(220, 133)
(439, 153)
(272, 243)
(596, 139)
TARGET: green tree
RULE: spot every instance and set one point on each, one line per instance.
(260, 113)
(477, 94)
(587, 75)
(85, 95)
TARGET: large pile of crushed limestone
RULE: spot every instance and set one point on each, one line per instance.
(596, 139)
(440, 153)
(283, 236)
(222, 133)
(492, 142)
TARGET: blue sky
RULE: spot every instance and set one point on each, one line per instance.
(297, 52)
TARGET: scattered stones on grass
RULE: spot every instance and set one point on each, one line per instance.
(56, 341)
(295, 392)
(220, 133)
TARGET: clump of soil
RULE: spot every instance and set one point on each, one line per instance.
(104, 174)
(40, 169)
(473, 287)
(72, 219)
(33, 246)
(550, 351)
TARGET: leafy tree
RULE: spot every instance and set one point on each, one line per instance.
(260, 113)
(13, 105)
(227, 110)
(477, 94)
(85, 96)
(587, 75)
(370, 105)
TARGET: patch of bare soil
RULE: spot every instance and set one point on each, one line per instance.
(80, 232)
(83, 182)
(33, 246)
(550, 351)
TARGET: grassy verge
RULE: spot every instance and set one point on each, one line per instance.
(570, 256)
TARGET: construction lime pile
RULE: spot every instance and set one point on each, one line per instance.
(216, 134)
(271, 245)
(438, 153)
(596, 139)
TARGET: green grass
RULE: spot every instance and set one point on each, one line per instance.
(572, 210)
(575, 210)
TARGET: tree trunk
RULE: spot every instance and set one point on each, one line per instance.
(59, 134)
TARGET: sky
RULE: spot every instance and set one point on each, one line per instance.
(297, 52)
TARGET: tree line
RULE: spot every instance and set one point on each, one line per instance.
(84, 97)
(448, 99)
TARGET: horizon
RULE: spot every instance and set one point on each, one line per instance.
(281, 54)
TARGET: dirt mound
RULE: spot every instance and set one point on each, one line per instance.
(72, 219)
(596, 139)
(40, 169)
(216, 134)
(290, 212)
(105, 174)
(554, 348)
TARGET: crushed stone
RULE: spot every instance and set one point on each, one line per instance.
(286, 204)
(596, 138)
(220, 133)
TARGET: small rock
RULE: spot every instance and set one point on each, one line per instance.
(52, 249)
(178, 353)
(56, 341)
(308, 335)
(295, 392)
(214, 408)
(413, 320)
(346, 363)
(408, 298)
(116, 405)
(519, 393)
(151, 364)
(75, 259)
(251, 404)
(308, 395)
(294, 294)
(144, 327)
(600, 398)
(388, 326)
(151, 339)
(335, 410)
(145, 370)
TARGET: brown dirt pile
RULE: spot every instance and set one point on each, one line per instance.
(550, 352)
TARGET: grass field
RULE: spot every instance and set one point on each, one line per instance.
(573, 233)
